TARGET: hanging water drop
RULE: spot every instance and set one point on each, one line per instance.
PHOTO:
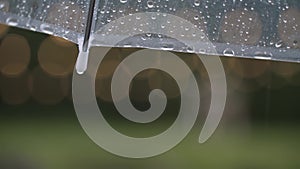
(228, 52)
(32, 27)
(82, 61)
(12, 21)
(167, 47)
(263, 55)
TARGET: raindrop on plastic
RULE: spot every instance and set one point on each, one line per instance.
(228, 52)
(150, 4)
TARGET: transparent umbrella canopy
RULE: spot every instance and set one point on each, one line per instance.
(257, 29)
(262, 29)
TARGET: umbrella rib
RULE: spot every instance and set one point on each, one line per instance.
(88, 28)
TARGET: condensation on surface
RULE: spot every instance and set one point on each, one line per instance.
(262, 29)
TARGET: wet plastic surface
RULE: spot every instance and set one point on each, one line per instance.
(61, 18)
(262, 29)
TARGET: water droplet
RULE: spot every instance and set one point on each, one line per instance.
(197, 2)
(243, 49)
(202, 51)
(46, 29)
(150, 4)
(82, 61)
(3, 5)
(295, 42)
(12, 21)
(167, 47)
(123, 1)
(263, 55)
(228, 52)
(202, 36)
(278, 44)
(153, 17)
(127, 46)
(33, 28)
(190, 50)
(138, 17)
(143, 38)
(148, 35)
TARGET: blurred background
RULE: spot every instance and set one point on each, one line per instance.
(39, 128)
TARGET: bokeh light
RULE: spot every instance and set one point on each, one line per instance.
(46, 89)
(143, 83)
(194, 17)
(4, 6)
(247, 75)
(106, 70)
(3, 30)
(56, 139)
(38, 123)
(67, 14)
(247, 68)
(285, 70)
(15, 90)
(289, 27)
(14, 55)
(57, 56)
(164, 81)
(241, 26)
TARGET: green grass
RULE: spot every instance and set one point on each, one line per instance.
(60, 143)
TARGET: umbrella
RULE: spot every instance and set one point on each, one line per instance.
(256, 29)
(260, 29)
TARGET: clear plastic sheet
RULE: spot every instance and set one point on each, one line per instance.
(66, 19)
(262, 29)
